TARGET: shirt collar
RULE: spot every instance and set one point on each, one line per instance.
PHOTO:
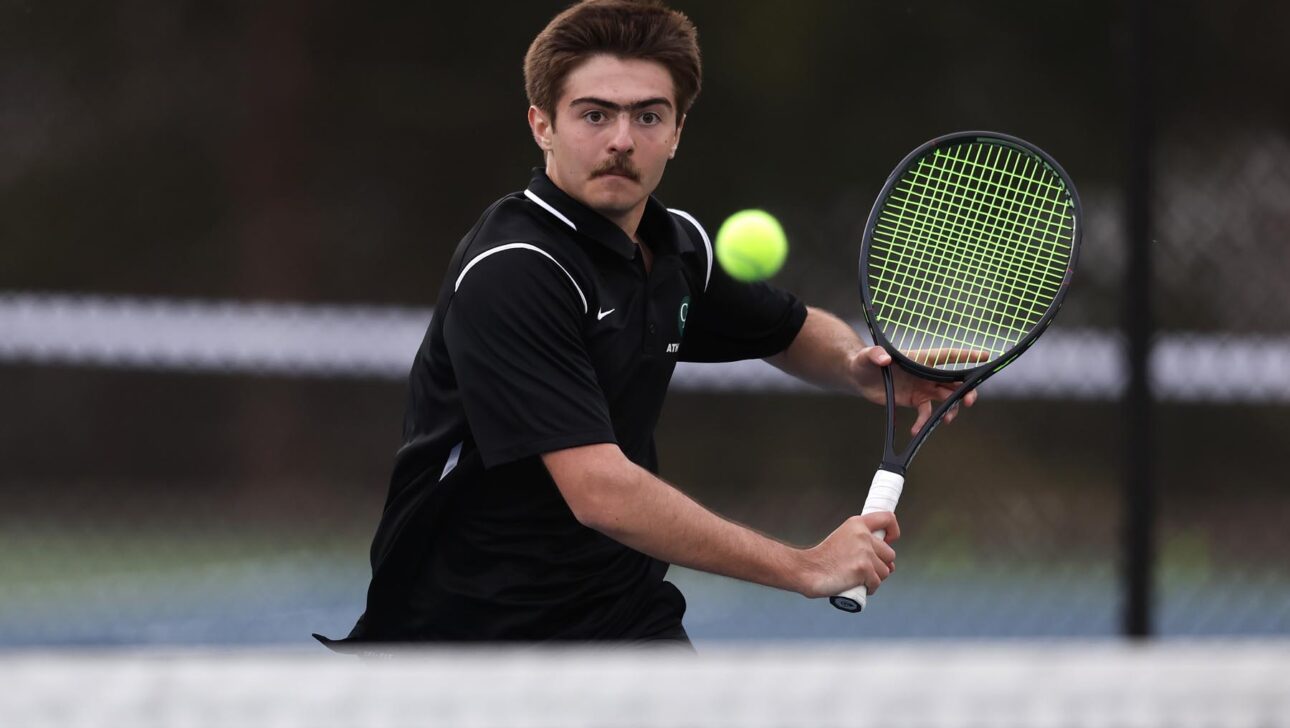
(657, 226)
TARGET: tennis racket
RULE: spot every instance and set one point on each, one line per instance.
(966, 258)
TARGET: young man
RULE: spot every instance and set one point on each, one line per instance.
(524, 503)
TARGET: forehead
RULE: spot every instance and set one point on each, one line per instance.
(620, 80)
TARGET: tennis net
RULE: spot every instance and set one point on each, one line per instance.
(1054, 685)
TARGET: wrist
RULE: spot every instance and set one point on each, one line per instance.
(795, 569)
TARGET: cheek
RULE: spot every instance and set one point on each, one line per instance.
(667, 142)
(662, 150)
(585, 147)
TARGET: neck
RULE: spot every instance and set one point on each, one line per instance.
(629, 221)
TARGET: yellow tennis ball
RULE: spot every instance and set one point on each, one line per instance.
(751, 245)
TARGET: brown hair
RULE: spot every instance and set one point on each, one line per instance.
(638, 29)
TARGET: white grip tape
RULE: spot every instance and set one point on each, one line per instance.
(884, 494)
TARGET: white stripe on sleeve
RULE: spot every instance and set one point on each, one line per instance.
(706, 243)
(520, 246)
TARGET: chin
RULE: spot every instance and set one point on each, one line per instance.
(626, 196)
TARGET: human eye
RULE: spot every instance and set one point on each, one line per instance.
(595, 116)
(651, 118)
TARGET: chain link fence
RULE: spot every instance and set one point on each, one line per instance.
(1222, 214)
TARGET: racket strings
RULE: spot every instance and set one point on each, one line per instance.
(1052, 211)
(986, 319)
(990, 263)
(909, 264)
(969, 251)
(991, 222)
(941, 186)
(934, 268)
(957, 258)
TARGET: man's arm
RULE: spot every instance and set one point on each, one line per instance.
(824, 353)
(827, 352)
(609, 493)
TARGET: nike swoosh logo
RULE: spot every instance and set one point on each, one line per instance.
(601, 314)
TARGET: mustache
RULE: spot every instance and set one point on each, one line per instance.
(617, 165)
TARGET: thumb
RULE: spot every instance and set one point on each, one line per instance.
(877, 355)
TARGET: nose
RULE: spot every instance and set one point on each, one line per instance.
(621, 141)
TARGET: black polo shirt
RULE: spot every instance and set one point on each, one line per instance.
(548, 334)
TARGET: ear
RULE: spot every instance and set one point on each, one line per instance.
(541, 127)
(676, 137)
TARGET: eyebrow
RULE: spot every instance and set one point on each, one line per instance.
(634, 106)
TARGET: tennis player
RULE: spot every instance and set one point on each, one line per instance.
(524, 503)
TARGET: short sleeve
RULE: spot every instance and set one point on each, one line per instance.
(513, 331)
(733, 320)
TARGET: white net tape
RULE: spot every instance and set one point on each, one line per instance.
(1054, 685)
(379, 342)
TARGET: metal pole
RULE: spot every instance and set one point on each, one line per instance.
(1139, 520)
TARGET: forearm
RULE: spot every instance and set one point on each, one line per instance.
(823, 353)
(632, 506)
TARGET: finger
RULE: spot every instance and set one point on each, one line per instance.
(892, 530)
(881, 569)
(883, 520)
(949, 356)
(871, 583)
(883, 552)
(970, 398)
(951, 414)
(924, 412)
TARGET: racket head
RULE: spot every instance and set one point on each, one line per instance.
(971, 245)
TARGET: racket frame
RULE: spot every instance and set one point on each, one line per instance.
(854, 600)
(972, 377)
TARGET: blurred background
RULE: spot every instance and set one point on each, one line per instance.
(222, 226)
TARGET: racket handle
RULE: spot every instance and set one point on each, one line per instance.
(884, 493)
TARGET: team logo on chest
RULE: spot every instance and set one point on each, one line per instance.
(682, 314)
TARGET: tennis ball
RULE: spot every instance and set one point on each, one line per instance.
(751, 245)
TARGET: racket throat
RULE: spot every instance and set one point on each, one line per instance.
(898, 462)
(892, 461)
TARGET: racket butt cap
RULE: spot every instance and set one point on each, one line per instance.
(847, 604)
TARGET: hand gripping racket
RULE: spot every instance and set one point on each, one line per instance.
(966, 257)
